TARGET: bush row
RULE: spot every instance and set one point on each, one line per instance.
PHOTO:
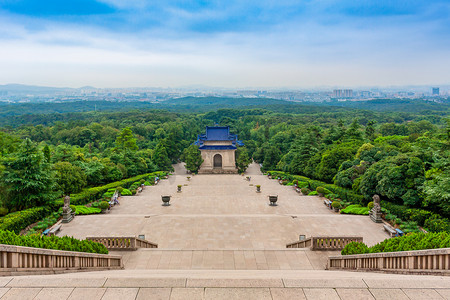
(52, 242)
(95, 193)
(344, 194)
(409, 242)
(21, 219)
(432, 222)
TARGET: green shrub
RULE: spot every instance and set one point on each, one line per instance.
(336, 204)
(126, 192)
(320, 190)
(355, 248)
(344, 194)
(133, 192)
(73, 208)
(108, 195)
(302, 184)
(104, 205)
(142, 181)
(93, 194)
(3, 211)
(304, 191)
(437, 224)
(83, 210)
(313, 193)
(21, 219)
(119, 189)
(390, 217)
(410, 214)
(370, 205)
(147, 183)
(289, 184)
(409, 242)
(52, 242)
(410, 226)
(294, 182)
(355, 209)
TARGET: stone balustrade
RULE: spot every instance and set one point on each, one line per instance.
(433, 261)
(123, 243)
(325, 242)
(18, 260)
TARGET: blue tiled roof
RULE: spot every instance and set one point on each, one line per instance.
(218, 133)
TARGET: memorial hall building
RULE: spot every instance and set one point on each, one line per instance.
(218, 148)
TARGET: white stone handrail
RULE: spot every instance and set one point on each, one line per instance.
(432, 261)
(325, 242)
(123, 243)
(27, 260)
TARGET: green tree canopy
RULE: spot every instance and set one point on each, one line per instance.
(28, 179)
(192, 158)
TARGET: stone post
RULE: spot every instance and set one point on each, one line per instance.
(375, 212)
(67, 211)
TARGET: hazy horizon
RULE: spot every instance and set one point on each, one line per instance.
(232, 44)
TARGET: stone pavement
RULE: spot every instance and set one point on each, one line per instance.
(229, 285)
(222, 212)
(220, 239)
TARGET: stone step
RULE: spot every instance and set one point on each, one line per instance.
(282, 259)
(229, 285)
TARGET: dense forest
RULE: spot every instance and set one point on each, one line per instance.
(402, 155)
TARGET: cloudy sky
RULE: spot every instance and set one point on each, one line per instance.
(232, 43)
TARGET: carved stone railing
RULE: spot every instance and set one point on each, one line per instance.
(325, 242)
(123, 243)
(17, 260)
(433, 261)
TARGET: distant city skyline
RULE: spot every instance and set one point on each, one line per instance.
(229, 44)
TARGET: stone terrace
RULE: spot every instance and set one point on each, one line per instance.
(221, 240)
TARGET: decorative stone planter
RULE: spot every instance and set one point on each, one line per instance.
(165, 200)
(179, 189)
(258, 189)
(273, 200)
(188, 178)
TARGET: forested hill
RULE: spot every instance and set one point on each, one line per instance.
(405, 105)
(33, 113)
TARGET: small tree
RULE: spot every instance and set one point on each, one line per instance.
(161, 158)
(28, 179)
(70, 178)
(242, 159)
(192, 158)
(126, 140)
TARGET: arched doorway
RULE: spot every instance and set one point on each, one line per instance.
(218, 161)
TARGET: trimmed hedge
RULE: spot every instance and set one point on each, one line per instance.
(344, 194)
(409, 242)
(52, 242)
(83, 210)
(95, 193)
(355, 209)
(21, 219)
(126, 192)
(432, 222)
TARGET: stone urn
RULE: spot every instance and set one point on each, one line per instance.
(179, 188)
(165, 200)
(188, 178)
(273, 200)
(258, 188)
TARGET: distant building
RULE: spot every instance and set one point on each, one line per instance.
(435, 91)
(218, 149)
(342, 93)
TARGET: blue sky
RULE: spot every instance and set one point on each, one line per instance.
(284, 43)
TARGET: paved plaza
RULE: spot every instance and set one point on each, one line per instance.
(222, 212)
(219, 239)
